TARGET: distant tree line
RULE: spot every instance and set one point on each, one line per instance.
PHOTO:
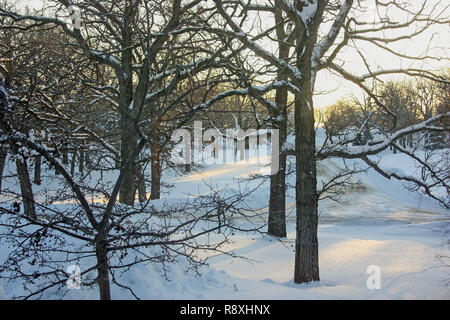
(413, 101)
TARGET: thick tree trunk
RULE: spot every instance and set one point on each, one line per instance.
(128, 140)
(3, 154)
(102, 269)
(155, 192)
(128, 144)
(306, 246)
(306, 243)
(37, 170)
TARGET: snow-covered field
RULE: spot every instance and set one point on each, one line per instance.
(381, 223)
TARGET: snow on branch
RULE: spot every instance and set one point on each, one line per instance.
(396, 174)
(327, 42)
(252, 45)
(349, 151)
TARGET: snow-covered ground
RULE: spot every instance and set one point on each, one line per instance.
(380, 223)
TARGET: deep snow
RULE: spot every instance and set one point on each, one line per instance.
(381, 224)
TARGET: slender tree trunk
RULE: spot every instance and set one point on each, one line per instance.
(81, 162)
(277, 202)
(142, 191)
(25, 187)
(21, 162)
(65, 154)
(155, 192)
(102, 268)
(87, 159)
(3, 154)
(37, 170)
(117, 161)
(73, 162)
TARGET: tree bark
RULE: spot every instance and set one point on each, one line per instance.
(155, 192)
(102, 268)
(128, 144)
(81, 162)
(65, 154)
(3, 154)
(142, 190)
(73, 162)
(128, 141)
(277, 201)
(37, 170)
(306, 267)
(306, 246)
(25, 187)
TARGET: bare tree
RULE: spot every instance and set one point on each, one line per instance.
(321, 29)
(148, 99)
(150, 49)
(103, 238)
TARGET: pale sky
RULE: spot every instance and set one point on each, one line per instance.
(337, 87)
